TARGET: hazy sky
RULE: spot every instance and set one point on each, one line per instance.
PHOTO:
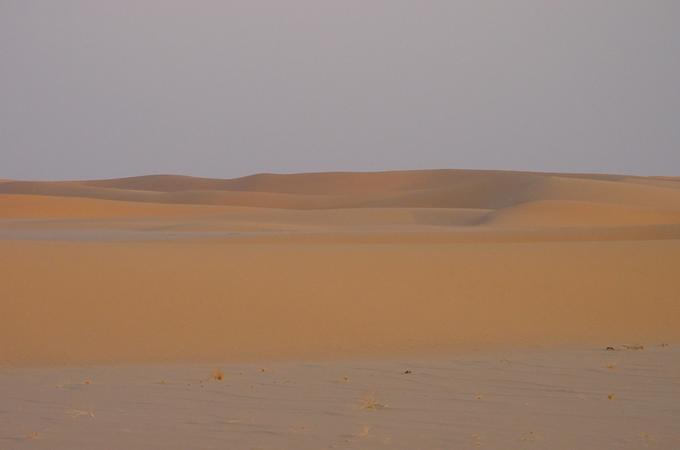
(225, 88)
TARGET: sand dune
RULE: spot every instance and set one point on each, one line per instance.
(50, 207)
(667, 182)
(413, 189)
(220, 217)
(618, 192)
(558, 213)
(89, 302)
(411, 201)
(168, 268)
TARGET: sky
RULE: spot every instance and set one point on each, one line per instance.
(99, 89)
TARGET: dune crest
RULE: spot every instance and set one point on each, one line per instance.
(410, 189)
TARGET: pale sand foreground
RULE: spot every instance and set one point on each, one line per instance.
(560, 399)
(478, 281)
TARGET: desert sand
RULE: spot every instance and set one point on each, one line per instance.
(317, 277)
(540, 399)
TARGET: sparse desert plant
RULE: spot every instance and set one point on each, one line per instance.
(80, 413)
(529, 437)
(634, 347)
(33, 436)
(370, 402)
(217, 375)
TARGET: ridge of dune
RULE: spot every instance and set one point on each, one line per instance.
(317, 183)
(654, 181)
(321, 183)
(196, 216)
(27, 206)
(566, 213)
(412, 189)
(442, 200)
(206, 197)
(334, 183)
(619, 192)
(74, 189)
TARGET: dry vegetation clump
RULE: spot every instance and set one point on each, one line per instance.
(370, 402)
(634, 347)
(217, 375)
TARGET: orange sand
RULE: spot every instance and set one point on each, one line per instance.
(168, 268)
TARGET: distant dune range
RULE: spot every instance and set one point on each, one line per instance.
(330, 265)
(438, 197)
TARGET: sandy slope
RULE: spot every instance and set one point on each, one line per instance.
(560, 213)
(75, 302)
(50, 207)
(333, 265)
(442, 188)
